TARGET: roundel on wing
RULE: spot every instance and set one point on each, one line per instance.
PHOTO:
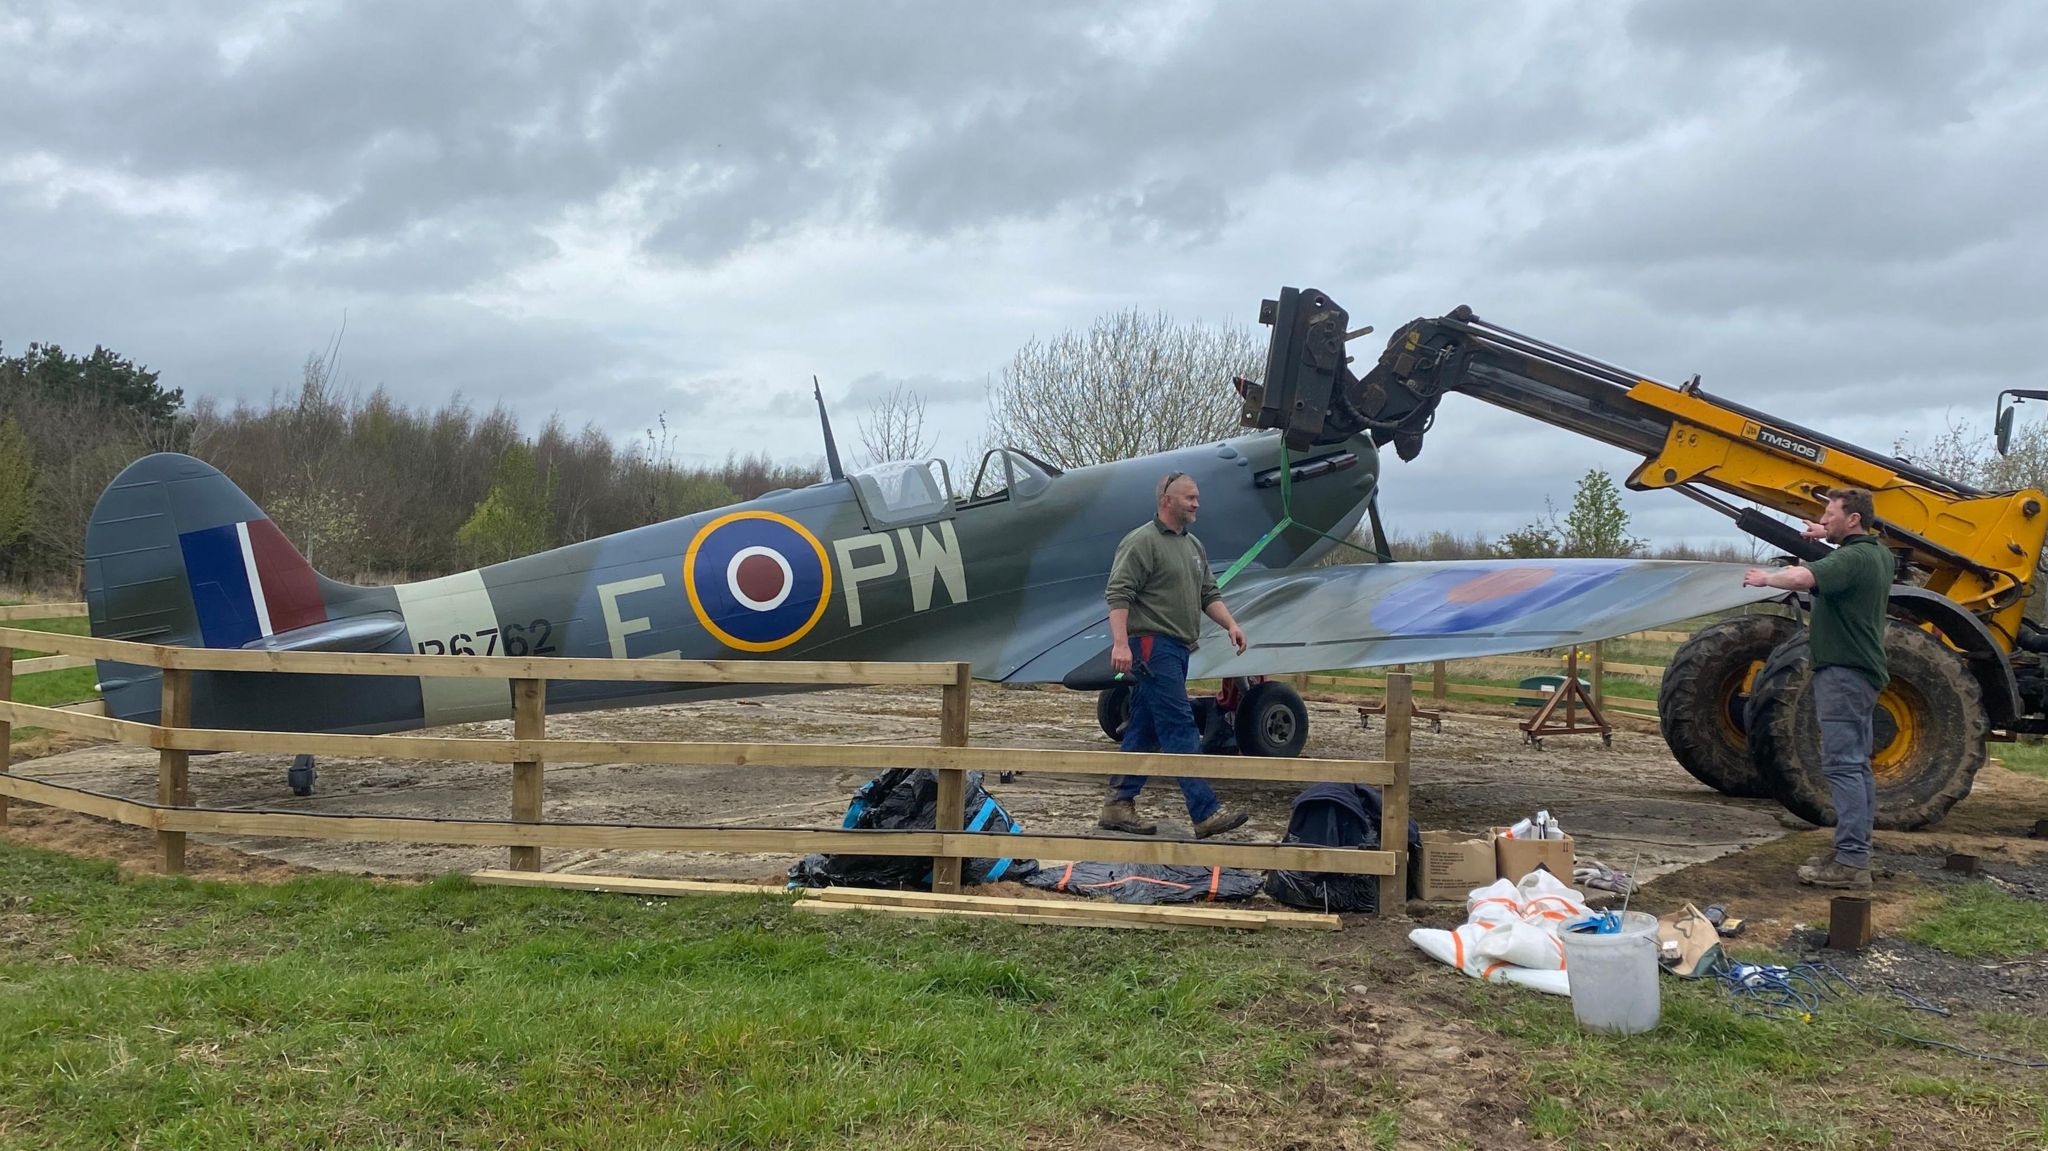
(1485, 596)
(756, 580)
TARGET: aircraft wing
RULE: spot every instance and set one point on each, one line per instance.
(1371, 615)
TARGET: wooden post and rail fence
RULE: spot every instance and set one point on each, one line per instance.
(527, 833)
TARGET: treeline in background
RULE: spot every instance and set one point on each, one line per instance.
(370, 489)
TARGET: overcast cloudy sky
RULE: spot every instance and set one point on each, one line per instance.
(1832, 210)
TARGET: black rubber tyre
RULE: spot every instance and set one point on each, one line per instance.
(1271, 721)
(1113, 710)
(1701, 701)
(1928, 738)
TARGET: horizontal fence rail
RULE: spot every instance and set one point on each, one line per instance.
(173, 816)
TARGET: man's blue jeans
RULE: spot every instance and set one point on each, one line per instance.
(1844, 702)
(1162, 719)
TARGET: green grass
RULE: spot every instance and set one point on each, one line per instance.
(1979, 921)
(2028, 756)
(336, 1012)
(1728, 1080)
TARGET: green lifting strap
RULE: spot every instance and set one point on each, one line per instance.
(1286, 521)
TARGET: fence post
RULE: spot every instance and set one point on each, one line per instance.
(529, 721)
(6, 728)
(952, 780)
(1440, 687)
(1599, 674)
(173, 779)
(1394, 797)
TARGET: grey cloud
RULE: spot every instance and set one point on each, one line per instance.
(933, 390)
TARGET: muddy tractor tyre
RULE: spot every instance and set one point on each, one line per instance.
(1113, 710)
(1701, 702)
(1927, 738)
(1271, 721)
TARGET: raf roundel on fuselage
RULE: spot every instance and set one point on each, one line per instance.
(757, 581)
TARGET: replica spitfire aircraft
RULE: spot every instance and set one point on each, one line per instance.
(887, 563)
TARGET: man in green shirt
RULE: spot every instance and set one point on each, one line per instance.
(1160, 587)
(1851, 587)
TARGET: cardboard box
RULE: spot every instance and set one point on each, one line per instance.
(1452, 863)
(1515, 858)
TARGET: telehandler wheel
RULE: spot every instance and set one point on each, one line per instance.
(1113, 710)
(1701, 700)
(1927, 735)
(1271, 721)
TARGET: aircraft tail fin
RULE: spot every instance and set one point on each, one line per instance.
(176, 554)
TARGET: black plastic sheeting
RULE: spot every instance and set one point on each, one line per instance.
(1334, 815)
(1150, 882)
(902, 799)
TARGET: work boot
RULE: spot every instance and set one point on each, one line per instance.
(1122, 815)
(1836, 874)
(1221, 821)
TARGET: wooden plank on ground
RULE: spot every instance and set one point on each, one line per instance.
(1165, 913)
(623, 884)
(820, 907)
(21, 611)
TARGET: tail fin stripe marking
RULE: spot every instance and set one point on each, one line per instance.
(291, 593)
(255, 578)
(219, 581)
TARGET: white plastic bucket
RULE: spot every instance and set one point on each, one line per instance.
(1614, 977)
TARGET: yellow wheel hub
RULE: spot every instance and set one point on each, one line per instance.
(1902, 706)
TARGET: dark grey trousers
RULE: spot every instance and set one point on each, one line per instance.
(1844, 701)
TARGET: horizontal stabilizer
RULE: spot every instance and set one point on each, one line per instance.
(356, 633)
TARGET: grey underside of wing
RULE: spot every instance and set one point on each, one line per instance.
(1371, 615)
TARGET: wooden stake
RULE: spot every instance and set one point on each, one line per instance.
(529, 721)
(1394, 798)
(1599, 674)
(952, 780)
(1439, 687)
(173, 779)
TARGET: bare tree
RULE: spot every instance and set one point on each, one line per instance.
(893, 429)
(1132, 384)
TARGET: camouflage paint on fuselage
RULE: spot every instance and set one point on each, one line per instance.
(836, 571)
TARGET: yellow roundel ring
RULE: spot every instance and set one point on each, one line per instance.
(757, 581)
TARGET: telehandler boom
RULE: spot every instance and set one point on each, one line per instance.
(1733, 705)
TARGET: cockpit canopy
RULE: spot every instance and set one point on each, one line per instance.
(914, 491)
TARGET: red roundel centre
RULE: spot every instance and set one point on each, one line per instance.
(1498, 585)
(759, 578)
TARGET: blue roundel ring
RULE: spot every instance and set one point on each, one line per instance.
(1488, 596)
(756, 580)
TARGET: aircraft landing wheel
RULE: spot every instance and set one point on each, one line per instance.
(1113, 710)
(1701, 701)
(1272, 721)
(301, 775)
(1927, 735)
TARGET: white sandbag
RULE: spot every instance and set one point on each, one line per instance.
(1510, 933)
(1522, 944)
(1549, 982)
